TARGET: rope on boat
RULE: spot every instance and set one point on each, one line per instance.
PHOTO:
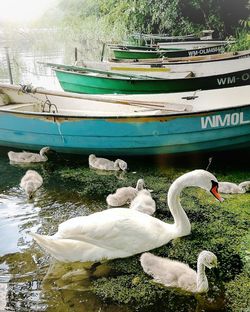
(30, 90)
(27, 88)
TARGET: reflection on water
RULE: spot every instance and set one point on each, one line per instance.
(29, 280)
(26, 68)
(15, 212)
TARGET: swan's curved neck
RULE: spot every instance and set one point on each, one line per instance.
(181, 221)
(139, 186)
(42, 154)
(202, 282)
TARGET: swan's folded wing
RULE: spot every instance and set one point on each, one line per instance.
(127, 231)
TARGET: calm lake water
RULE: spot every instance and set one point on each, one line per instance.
(25, 284)
(29, 279)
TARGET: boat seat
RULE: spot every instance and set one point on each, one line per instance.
(190, 75)
(33, 107)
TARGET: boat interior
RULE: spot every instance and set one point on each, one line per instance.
(92, 106)
(12, 99)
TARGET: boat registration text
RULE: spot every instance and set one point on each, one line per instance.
(216, 121)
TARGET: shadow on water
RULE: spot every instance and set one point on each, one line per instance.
(28, 280)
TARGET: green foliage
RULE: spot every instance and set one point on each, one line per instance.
(242, 41)
(237, 294)
(149, 16)
(139, 292)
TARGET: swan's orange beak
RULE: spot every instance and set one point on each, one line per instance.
(214, 191)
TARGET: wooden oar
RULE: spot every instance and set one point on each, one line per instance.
(146, 104)
(98, 71)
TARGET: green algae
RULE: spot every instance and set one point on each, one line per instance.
(219, 227)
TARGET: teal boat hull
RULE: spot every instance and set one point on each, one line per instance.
(151, 135)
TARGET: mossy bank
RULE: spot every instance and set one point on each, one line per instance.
(222, 228)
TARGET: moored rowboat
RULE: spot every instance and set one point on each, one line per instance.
(85, 80)
(141, 54)
(166, 70)
(124, 125)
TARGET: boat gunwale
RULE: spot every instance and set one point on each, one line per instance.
(174, 61)
(164, 50)
(159, 116)
(102, 76)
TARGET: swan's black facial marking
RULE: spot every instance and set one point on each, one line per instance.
(214, 190)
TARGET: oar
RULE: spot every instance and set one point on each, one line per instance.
(98, 71)
(146, 104)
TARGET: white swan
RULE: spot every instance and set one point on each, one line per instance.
(122, 232)
(31, 182)
(124, 195)
(106, 164)
(27, 157)
(143, 202)
(177, 274)
(232, 188)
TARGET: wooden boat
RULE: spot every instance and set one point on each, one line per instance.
(87, 80)
(143, 48)
(31, 118)
(141, 54)
(191, 41)
(170, 70)
(155, 38)
(190, 45)
(187, 60)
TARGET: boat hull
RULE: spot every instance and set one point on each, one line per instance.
(140, 54)
(150, 135)
(94, 84)
(188, 45)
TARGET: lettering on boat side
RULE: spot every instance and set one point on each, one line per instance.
(232, 79)
(215, 121)
(205, 51)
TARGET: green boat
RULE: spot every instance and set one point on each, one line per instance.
(87, 80)
(142, 48)
(142, 54)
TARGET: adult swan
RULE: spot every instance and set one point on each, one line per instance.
(122, 232)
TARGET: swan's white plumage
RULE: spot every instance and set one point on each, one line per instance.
(172, 273)
(31, 182)
(143, 202)
(232, 188)
(121, 232)
(124, 195)
(27, 157)
(106, 164)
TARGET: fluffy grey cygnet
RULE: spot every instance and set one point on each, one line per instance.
(124, 195)
(27, 157)
(143, 202)
(232, 188)
(106, 164)
(172, 273)
(31, 182)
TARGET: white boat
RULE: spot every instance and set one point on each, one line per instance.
(31, 118)
(174, 69)
(190, 45)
